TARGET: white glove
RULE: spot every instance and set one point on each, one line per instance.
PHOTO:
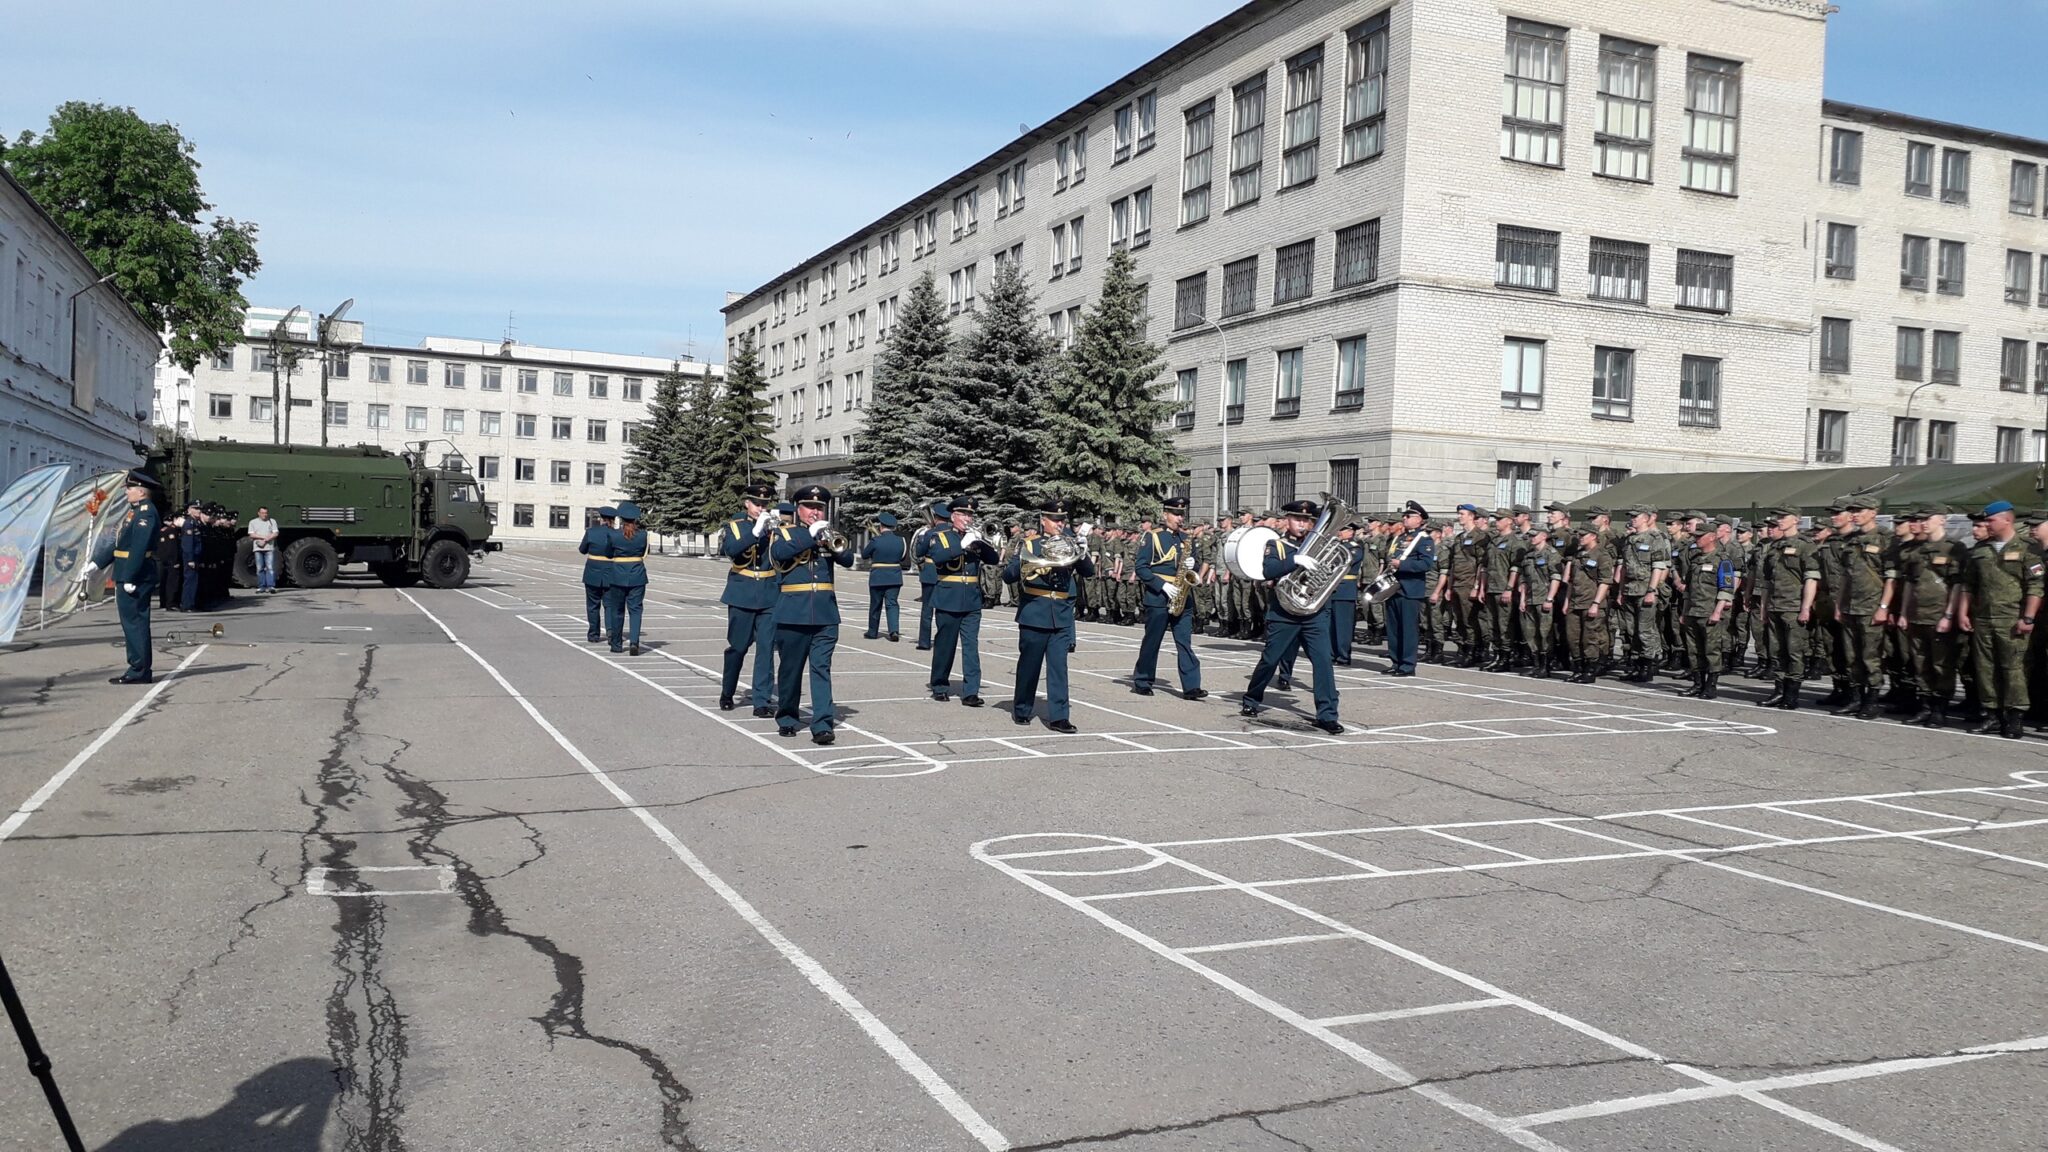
(128, 588)
(972, 538)
(1084, 531)
(91, 566)
(817, 530)
(1307, 563)
(762, 522)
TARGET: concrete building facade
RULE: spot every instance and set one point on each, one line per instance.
(546, 430)
(75, 358)
(1428, 249)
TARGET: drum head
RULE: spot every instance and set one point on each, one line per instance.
(1244, 551)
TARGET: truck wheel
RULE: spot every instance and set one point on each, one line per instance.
(311, 562)
(245, 563)
(446, 564)
(395, 574)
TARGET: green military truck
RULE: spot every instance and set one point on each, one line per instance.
(410, 522)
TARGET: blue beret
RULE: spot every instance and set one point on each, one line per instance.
(1997, 506)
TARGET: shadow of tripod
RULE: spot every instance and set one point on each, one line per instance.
(38, 1062)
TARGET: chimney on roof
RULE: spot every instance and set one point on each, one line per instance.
(505, 348)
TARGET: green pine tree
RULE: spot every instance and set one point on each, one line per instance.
(700, 401)
(984, 435)
(891, 468)
(650, 474)
(1107, 444)
(735, 445)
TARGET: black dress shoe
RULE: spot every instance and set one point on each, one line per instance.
(894, 637)
(785, 733)
(763, 711)
(942, 697)
(132, 680)
(1063, 727)
(1141, 690)
(1020, 719)
(1070, 649)
(593, 638)
(972, 701)
(871, 635)
(1249, 709)
(617, 648)
(1331, 726)
(924, 647)
(633, 651)
(1197, 694)
(1283, 684)
(824, 737)
(725, 704)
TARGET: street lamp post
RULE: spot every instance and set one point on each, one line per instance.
(1222, 412)
(72, 304)
(321, 334)
(1913, 445)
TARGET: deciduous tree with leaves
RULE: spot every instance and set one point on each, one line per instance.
(735, 445)
(892, 466)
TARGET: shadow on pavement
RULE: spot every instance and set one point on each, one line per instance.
(281, 1109)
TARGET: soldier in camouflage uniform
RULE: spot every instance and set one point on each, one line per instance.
(1788, 586)
(1538, 579)
(1930, 573)
(1462, 584)
(1645, 569)
(1586, 589)
(1861, 609)
(1826, 650)
(1755, 619)
(1706, 594)
(2002, 593)
(1504, 551)
(1735, 637)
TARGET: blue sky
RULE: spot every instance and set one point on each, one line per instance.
(605, 172)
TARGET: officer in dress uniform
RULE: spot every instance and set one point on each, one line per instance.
(927, 572)
(806, 614)
(886, 554)
(1162, 561)
(1344, 602)
(1284, 629)
(749, 599)
(128, 558)
(1413, 557)
(957, 553)
(596, 567)
(1045, 618)
(626, 545)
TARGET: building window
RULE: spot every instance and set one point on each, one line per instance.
(1521, 374)
(1358, 254)
(1841, 251)
(1941, 442)
(1344, 481)
(491, 378)
(2043, 299)
(629, 388)
(337, 365)
(2012, 366)
(1120, 224)
(2026, 188)
(600, 387)
(1516, 482)
(1706, 281)
(523, 425)
(1303, 136)
(415, 419)
(593, 474)
(487, 467)
(558, 471)
(490, 423)
(380, 416)
(522, 515)
(1059, 250)
(1279, 484)
(966, 213)
(522, 469)
(224, 361)
(558, 515)
(565, 384)
(262, 410)
(2012, 446)
(1913, 263)
(1699, 392)
(1240, 286)
(2019, 277)
(1831, 437)
(1532, 102)
(1074, 251)
(1919, 169)
(1625, 109)
(1601, 479)
(1234, 376)
(1184, 398)
(1197, 167)
(1951, 271)
(2040, 369)
(1125, 128)
(1080, 151)
(529, 380)
(594, 431)
(415, 371)
(1618, 270)
(1247, 140)
(220, 405)
(380, 369)
(1834, 346)
(1365, 91)
(1948, 357)
(452, 420)
(1712, 102)
(1287, 366)
(1845, 157)
(1294, 272)
(1525, 258)
(1912, 354)
(262, 360)
(1148, 121)
(1955, 176)
(1190, 301)
(453, 376)
(564, 428)
(1614, 383)
(1350, 374)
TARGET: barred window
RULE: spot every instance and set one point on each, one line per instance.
(1912, 355)
(1365, 91)
(1350, 374)
(1614, 383)
(1197, 168)
(1618, 270)
(1841, 252)
(1247, 140)
(1294, 272)
(2019, 277)
(1834, 345)
(1913, 263)
(1919, 168)
(1845, 157)
(1525, 258)
(1190, 301)
(1706, 281)
(1358, 254)
(1699, 392)
(1240, 286)
(1948, 357)
(1344, 481)
(1953, 268)
(1281, 481)
(1532, 94)
(1521, 374)
(2012, 366)
(1303, 137)
(1712, 104)
(1625, 109)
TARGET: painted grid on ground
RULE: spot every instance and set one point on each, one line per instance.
(1108, 878)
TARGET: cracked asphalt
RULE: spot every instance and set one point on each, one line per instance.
(1501, 914)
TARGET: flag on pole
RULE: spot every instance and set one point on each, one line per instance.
(24, 513)
(85, 513)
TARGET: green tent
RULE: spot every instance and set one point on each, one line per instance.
(1749, 495)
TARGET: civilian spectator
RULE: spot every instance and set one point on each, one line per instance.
(263, 531)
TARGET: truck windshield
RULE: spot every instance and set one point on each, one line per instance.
(462, 493)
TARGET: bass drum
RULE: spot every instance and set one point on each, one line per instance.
(1244, 551)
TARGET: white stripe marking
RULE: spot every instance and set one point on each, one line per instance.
(1411, 1013)
(1321, 851)
(1275, 942)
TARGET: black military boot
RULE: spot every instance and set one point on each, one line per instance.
(1923, 710)
(1790, 702)
(1837, 697)
(1777, 695)
(1542, 669)
(1867, 706)
(2015, 724)
(1699, 687)
(1905, 701)
(1713, 686)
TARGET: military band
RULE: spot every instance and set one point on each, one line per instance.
(804, 553)
(1166, 569)
(886, 555)
(750, 598)
(1045, 615)
(956, 553)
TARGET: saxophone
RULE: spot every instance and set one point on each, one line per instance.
(1180, 587)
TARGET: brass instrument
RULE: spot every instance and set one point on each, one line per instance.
(830, 539)
(1386, 585)
(1053, 552)
(1180, 588)
(1299, 593)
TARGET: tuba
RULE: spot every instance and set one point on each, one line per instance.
(1298, 593)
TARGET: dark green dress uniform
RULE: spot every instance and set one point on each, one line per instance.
(1285, 630)
(1465, 593)
(956, 604)
(1344, 605)
(1413, 556)
(1162, 560)
(1790, 567)
(596, 569)
(626, 547)
(129, 558)
(886, 555)
(806, 621)
(927, 575)
(2005, 588)
(749, 599)
(1045, 617)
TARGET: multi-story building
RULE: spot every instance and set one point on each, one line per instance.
(75, 358)
(545, 429)
(1425, 249)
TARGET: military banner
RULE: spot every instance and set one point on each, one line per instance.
(24, 513)
(85, 513)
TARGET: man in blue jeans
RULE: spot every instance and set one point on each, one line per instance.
(263, 538)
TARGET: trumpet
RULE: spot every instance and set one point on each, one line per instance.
(830, 539)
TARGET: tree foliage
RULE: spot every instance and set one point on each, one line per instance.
(127, 193)
(735, 445)
(656, 470)
(1107, 443)
(892, 466)
(984, 434)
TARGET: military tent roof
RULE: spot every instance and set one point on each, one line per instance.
(1751, 494)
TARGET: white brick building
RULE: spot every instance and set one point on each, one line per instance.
(546, 429)
(1421, 295)
(75, 359)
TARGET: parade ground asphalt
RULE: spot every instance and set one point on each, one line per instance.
(385, 870)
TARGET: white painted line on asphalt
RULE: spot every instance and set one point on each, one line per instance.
(347, 628)
(64, 774)
(1275, 942)
(1338, 856)
(883, 1036)
(1922, 839)
(487, 603)
(1411, 1013)
(318, 881)
(1752, 833)
(1482, 844)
